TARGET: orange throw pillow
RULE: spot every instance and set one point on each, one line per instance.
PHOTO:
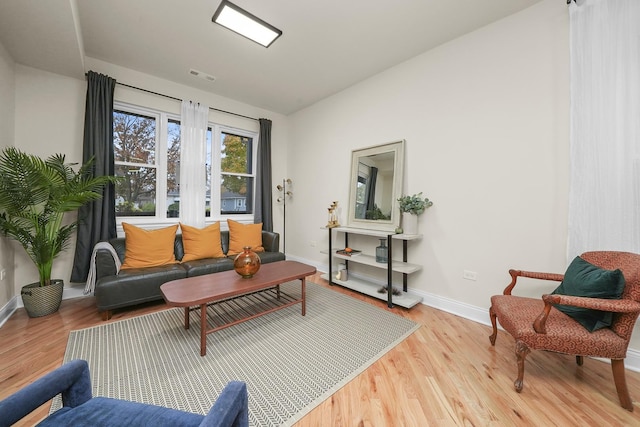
(148, 248)
(241, 235)
(201, 243)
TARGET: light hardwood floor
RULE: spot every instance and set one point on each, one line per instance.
(445, 374)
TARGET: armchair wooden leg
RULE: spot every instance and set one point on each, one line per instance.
(106, 315)
(493, 336)
(580, 360)
(521, 353)
(617, 366)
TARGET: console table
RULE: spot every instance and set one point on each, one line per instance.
(368, 286)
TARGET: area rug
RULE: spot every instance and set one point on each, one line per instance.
(290, 363)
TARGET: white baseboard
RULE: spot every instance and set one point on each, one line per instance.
(479, 315)
(15, 303)
(8, 309)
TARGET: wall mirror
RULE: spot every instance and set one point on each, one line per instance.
(376, 185)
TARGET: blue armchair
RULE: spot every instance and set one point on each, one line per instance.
(81, 409)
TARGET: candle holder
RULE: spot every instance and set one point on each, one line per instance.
(333, 215)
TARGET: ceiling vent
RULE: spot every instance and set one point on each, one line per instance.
(203, 76)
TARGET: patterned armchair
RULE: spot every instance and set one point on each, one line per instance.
(536, 324)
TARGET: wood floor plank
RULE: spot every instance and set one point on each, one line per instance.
(444, 374)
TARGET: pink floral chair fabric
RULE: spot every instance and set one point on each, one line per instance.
(536, 325)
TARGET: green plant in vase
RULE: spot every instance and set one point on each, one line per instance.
(35, 195)
(411, 207)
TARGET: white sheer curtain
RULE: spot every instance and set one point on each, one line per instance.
(193, 139)
(604, 201)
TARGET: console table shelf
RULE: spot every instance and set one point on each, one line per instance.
(369, 287)
(364, 287)
(398, 266)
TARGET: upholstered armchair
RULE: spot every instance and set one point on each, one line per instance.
(73, 381)
(539, 324)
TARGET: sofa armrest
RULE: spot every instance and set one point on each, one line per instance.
(231, 407)
(71, 379)
(270, 241)
(105, 265)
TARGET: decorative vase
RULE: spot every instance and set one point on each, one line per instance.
(382, 251)
(409, 223)
(247, 263)
(42, 300)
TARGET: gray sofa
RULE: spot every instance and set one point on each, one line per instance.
(139, 285)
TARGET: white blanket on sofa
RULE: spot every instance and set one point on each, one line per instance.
(91, 277)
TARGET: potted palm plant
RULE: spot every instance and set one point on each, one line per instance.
(411, 207)
(35, 194)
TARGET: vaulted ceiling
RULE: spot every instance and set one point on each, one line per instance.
(326, 45)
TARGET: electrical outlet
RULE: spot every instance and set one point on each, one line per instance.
(3, 274)
(469, 275)
(312, 243)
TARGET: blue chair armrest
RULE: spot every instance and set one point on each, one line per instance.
(71, 379)
(231, 408)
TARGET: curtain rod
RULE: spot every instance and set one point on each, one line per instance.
(180, 100)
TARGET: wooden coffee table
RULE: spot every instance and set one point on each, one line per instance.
(200, 291)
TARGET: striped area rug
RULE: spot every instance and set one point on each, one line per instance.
(290, 363)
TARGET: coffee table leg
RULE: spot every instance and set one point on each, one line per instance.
(203, 329)
(186, 317)
(278, 291)
(304, 297)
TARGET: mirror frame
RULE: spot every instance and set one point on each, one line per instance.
(397, 148)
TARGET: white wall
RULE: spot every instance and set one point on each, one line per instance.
(49, 118)
(485, 119)
(7, 105)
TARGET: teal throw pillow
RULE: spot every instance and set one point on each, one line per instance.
(584, 279)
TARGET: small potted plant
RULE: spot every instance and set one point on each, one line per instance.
(411, 207)
(35, 194)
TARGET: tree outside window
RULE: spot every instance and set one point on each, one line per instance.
(134, 146)
(236, 179)
(147, 157)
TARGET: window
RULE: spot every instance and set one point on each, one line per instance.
(236, 173)
(147, 155)
(173, 168)
(134, 146)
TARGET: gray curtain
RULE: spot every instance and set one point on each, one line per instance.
(98, 218)
(264, 206)
(371, 188)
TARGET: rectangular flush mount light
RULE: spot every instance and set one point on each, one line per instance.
(242, 22)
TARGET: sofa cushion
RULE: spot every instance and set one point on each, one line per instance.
(267, 257)
(241, 235)
(135, 285)
(104, 411)
(200, 267)
(148, 248)
(200, 243)
(583, 279)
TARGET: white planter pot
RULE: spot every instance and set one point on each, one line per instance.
(409, 223)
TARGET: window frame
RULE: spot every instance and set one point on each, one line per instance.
(217, 129)
(216, 158)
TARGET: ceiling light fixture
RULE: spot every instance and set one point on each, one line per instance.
(242, 22)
